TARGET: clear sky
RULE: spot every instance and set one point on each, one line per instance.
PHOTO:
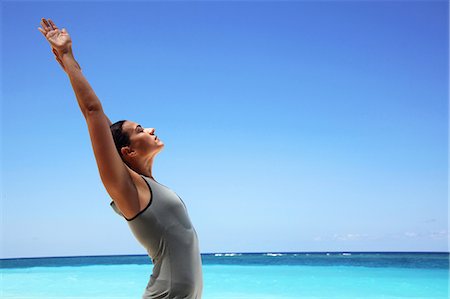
(288, 126)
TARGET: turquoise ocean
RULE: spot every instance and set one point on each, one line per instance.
(275, 275)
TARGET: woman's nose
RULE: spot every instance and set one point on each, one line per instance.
(151, 131)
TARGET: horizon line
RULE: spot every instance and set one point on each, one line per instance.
(230, 252)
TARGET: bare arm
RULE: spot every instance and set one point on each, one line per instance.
(115, 176)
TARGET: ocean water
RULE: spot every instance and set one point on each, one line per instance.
(238, 275)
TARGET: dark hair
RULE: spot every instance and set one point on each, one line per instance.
(120, 137)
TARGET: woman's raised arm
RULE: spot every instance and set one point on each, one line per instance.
(115, 175)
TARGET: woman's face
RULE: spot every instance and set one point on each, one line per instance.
(142, 140)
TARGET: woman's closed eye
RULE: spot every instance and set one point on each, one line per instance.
(139, 129)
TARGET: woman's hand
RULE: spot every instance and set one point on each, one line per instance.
(59, 39)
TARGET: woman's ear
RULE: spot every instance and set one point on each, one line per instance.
(127, 152)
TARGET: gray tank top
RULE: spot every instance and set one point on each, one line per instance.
(166, 232)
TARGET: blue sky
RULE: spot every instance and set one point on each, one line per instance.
(288, 126)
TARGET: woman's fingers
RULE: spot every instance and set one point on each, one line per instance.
(44, 25)
(52, 24)
(43, 32)
(49, 27)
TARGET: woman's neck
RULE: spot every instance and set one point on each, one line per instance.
(145, 168)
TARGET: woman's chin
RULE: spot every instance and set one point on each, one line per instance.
(160, 147)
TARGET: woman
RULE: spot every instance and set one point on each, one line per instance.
(124, 152)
